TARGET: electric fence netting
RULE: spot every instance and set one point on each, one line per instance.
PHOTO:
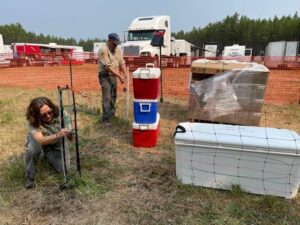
(262, 160)
(179, 105)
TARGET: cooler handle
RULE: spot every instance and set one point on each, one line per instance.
(179, 129)
(149, 65)
(145, 107)
(145, 73)
(143, 127)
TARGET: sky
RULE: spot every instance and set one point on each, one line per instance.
(83, 19)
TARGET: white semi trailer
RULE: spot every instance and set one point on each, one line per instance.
(181, 48)
(283, 54)
(282, 48)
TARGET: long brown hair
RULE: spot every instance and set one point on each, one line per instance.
(33, 110)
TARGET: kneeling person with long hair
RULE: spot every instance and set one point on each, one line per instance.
(44, 134)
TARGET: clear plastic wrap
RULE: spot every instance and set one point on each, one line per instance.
(235, 96)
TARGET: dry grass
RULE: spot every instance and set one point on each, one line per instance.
(121, 184)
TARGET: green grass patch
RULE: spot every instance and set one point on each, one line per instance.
(86, 186)
(12, 173)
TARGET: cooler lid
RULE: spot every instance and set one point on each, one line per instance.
(150, 126)
(145, 100)
(146, 73)
(241, 137)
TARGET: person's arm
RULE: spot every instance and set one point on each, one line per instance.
(116, 73)
(123, 69)
(45, 140)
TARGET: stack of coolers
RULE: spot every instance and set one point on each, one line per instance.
(146, 82)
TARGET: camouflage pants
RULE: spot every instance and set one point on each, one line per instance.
(109, 95)
(32, 155)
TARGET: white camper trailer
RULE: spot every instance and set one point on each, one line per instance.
(237, 50)
(97, 46)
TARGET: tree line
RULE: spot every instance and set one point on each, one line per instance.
(15, 33)
(235, 29)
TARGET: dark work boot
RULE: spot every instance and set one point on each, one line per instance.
(29, 183)
(106, 124)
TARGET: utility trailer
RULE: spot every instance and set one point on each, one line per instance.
(30, 54)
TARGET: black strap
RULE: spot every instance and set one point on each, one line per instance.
(179, 129)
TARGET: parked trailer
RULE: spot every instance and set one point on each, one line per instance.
(97, 47)
(5, 53)
(282, 54)
(2, 58)
(27, 54)
(182, 48)
(237, 50)
(210, 50)
(77, 54)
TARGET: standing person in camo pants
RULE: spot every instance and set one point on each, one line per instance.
(44, 134)
(111, 68)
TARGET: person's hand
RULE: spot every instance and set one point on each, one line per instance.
(122, 80)
(64, 132)
(124, 88)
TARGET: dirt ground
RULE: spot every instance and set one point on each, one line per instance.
(49, 77)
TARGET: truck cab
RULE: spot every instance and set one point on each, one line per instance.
(140, 33)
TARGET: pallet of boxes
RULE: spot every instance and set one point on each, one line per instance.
(227, 91)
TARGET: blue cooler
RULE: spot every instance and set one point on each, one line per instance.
(145, 111)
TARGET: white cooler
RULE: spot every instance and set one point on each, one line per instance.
(261, 160)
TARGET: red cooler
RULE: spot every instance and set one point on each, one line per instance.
(146, 83)
(145, 135)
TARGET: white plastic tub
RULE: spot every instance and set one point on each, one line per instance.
(260, 160)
